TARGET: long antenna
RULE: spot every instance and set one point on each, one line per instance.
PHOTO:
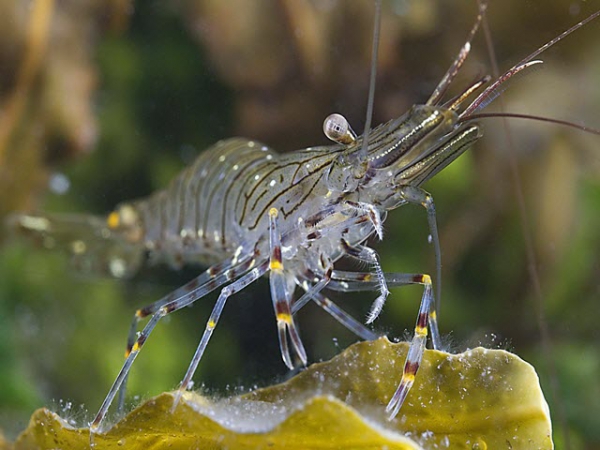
(374, 51)
(509, 115)
(474, 106)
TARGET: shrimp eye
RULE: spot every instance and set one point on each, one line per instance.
(337, 128)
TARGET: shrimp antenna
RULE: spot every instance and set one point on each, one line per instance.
(374, 52)
(453, 70)
(523, 64)
(510, 115)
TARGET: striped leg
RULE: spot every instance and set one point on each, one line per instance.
(226, 292)
(371, 213)
(356, 281)
(364, 253)
(181, 298)
(343, 281)
(357, 213)
(415, 353)
(282, 288)
(233, 267)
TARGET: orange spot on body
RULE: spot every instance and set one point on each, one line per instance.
(113, 220)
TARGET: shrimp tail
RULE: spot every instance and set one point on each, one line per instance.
(92, 245)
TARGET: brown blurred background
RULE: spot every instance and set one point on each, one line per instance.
(103, 101)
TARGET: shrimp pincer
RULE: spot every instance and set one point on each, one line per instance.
(247, 211)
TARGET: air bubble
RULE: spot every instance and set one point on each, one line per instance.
(59, 183)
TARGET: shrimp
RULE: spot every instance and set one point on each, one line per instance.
(248, 211)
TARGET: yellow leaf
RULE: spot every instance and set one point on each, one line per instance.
(474, 400)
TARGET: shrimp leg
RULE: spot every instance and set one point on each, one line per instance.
(233, 266)
(360, 281)
(364, 253)
(211, 324)
(334, 310)
(415, 352)
(182, 297)
(343, 281)
(282, 288)
(416, 195)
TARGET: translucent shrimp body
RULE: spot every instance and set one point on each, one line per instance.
(293, 216)
(248, 211)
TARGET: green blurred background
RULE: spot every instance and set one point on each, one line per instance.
(113, 98)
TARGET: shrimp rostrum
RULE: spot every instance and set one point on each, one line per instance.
(248, 211)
